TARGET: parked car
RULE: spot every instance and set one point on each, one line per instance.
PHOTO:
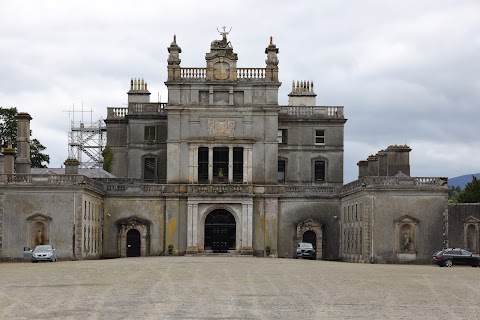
(305, 250)
(450, 256)
(41, 253)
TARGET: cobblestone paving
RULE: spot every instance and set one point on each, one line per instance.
(235, 288)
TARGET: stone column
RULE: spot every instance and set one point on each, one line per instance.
(247, 229)
(195, 164)
(23, 163)
(9, 159)
(192, 229)
(249, 164)
(230, 164)
(210, 164)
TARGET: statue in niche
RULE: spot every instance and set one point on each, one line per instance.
(39, 237)
(406, 241)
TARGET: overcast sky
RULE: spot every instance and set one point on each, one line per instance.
(407, 72)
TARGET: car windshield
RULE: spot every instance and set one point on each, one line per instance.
(43, 248)
(305, 245)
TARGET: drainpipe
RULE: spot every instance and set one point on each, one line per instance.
(372, 225)
(74, 223)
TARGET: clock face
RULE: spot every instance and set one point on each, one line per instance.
(221, 71)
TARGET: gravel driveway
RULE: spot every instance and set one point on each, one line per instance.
(235, 288)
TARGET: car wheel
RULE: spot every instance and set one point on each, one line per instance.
(448, 263)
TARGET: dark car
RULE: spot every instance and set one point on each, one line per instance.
(449, 257)
(305, 250)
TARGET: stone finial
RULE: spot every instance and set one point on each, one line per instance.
(174, 53)
(271, 51)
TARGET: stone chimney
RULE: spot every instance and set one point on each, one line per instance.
(23, 163)
(302, 94)
(9, 158)
(362, 168)
(138, 92)
(71, 166)
(372, 165)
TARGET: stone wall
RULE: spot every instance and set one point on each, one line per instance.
(458, 217)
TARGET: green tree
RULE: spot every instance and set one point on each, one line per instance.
(471, 193)
(453, 194)
(8, 129)
(107, 155)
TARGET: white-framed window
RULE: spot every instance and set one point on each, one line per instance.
(319, 136)
(282, 136)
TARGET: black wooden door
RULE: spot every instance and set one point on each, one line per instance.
(133, 243)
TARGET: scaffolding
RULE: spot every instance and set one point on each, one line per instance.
(86, 141)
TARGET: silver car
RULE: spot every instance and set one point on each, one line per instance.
(43, 253)
(305, 250)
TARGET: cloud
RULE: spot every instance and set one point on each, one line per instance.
(404, 75)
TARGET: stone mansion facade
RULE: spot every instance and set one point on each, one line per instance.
(222, 167)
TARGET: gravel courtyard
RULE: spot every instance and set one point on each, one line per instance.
(235, 288)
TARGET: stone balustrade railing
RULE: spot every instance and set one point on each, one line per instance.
(220, 189)
(309, 189)
(146, 108)
(193, 73)
(116, 113)
(309, 112)
(50, 180)
(394, 183)
(251, 73)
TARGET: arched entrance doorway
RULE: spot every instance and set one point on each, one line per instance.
(220, 230)
(133, 243)
(310, 237)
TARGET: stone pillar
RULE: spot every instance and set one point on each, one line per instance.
(271, 225)
(195, 164)
(71, 166)
(230, 164)
(210, 164)
(23, 162)
(1, 163)
(247, 229)
(9, 159)
(249, 164)
(192, 228)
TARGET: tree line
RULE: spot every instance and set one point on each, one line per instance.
(470, 194)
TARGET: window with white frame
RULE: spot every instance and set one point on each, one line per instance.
(282, 136)
(319, 136)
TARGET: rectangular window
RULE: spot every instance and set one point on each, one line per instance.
(282, 136)
(220, 163)
(237, 164)
(319, 136)
(149, 133)
(281, 170)
(202, 164)
(149, 169)
(319, 170)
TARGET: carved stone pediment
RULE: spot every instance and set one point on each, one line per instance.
(406, 218)
(472, 219)
(39, 217)
(133, 221)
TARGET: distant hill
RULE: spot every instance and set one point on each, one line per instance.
(462, 181)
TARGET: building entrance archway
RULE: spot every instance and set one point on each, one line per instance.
(310, 237)
(133, 243)
(220, 231)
